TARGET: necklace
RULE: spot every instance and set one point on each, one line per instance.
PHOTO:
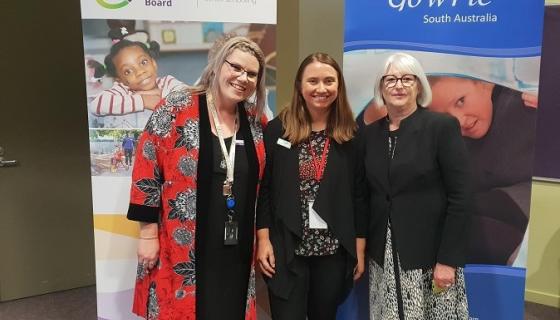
(392, 146)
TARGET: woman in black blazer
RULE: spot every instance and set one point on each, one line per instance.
(415, 191)
(308, 248)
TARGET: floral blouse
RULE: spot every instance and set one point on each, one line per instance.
(315, 242)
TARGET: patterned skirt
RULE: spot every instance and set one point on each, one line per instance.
(412, 290)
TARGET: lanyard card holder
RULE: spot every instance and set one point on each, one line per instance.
(230, 233)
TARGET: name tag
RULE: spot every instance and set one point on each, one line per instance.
(315, 221)
(230, 233)
(284, 143)
(239, 142)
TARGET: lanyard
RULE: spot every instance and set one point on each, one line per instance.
(229, 157)
(231, 228)
(320, 165)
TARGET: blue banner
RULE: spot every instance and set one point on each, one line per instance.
(482, 27)
(488, 44)
(493, 292)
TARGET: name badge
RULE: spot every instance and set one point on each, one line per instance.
(284, 143)
(230, 233)
(315, 221)
(239, 142)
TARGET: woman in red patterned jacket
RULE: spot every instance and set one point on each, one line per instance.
(194, 186)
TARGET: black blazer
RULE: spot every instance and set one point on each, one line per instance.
(279, 206)
(424, 190)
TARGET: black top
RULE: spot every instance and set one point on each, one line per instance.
(360, 119)
(279, 204)
(223, 275)
(217, 209)
(423, 190)
(223, 270)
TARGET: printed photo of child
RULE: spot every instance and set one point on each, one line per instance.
(137, 86)
(132, 64)
(498, 125)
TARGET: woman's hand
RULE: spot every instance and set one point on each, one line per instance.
(444, 276)
(148, 245)
(361, 255)
(265, 253)
(148, 252)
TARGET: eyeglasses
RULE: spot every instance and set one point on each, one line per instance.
(407, 80)
(238, 71)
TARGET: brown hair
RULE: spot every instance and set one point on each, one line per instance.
(296, 119)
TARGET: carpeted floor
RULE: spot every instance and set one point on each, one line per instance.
(79, 304)
(535, 311)
(76, 304)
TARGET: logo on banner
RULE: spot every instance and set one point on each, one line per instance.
(112, 4)
(108, 4)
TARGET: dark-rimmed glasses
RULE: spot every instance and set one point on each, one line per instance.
(407, 80)
(238, 71)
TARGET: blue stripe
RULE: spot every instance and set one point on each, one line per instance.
(470, 51)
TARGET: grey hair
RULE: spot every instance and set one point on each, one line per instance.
(210, 82)
(407, 64)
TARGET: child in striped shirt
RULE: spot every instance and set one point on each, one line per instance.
(137, 87)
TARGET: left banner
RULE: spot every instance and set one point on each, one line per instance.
(181, 34)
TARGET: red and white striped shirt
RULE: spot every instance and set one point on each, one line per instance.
(121, 100)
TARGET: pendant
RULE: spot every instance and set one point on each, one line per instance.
(230, 202)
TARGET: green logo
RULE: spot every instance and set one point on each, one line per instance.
(117, 5)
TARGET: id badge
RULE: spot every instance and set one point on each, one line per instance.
(284, 143)
(315, 221)
(230, 233)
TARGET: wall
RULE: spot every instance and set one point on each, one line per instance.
(305, 27)
(543, 265)
(46, 227)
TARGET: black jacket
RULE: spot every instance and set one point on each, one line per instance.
(424, 190)
(279, 206)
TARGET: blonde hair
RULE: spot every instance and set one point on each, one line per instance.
(296, 119)
(408, 64)
(209, 80)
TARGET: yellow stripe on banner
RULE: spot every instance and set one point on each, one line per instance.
(110, 246)
(116, 223)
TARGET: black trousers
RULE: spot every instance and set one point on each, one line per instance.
(128, 156)
(320, 288)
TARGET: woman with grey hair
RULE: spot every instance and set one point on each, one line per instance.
(194, 186)
(414, 189)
